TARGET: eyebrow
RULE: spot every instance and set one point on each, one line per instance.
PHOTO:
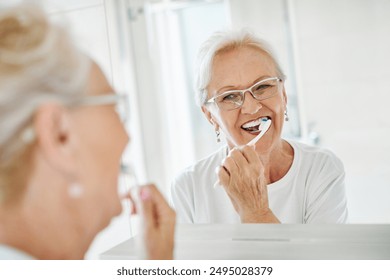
(231, 87)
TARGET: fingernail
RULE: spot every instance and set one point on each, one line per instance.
(145, 194)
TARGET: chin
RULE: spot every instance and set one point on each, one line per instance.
(116, 211)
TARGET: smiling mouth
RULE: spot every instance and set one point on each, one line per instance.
(253, 126)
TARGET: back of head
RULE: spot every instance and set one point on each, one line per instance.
(38, 63)
(224, 41)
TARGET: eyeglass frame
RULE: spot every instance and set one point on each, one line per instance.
(242, 93)
(109, 98)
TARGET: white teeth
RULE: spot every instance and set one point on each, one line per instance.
(252, 123)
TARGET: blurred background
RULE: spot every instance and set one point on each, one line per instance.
(335, 54)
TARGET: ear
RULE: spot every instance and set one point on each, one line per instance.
(284, 96)
(210, 117)
(54, 138)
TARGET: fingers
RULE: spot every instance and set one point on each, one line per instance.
(239, 159)
(156, 206)
(234, 161)
(147, 208)
(250, 155)
(159, 202)
(133, 208)
(223, 176)
(159, 224)
(230, 166)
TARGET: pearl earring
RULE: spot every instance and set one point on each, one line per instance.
(75, 190)
(217, 133)
(286, 118)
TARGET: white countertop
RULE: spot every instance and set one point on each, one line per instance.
(270, 241)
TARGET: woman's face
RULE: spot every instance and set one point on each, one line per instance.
(102, 140)
(240, 69)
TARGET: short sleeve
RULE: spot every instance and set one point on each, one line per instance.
(182, 199)
(326, 200)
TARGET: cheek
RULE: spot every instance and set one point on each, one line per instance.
(111, 144)
(278, 109)
(102, 165)
(106, 177)
(228, 120)
(116, 143)
(281, 108)
(107, 201)
(112, 199)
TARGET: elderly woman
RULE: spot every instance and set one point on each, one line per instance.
(239, 84)
(58, 164)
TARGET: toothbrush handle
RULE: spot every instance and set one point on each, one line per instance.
(264, 128)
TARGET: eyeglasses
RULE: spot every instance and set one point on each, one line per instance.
(121, 102)
(233, 99)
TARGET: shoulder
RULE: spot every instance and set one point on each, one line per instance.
(203, 169)
(317, 157)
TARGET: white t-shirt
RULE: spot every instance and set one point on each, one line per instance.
(312, 191)
(10, 253)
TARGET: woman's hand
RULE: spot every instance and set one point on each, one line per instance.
(159, 224)
(242, 176)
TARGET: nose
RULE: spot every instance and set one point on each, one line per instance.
(123, 136)
(128, 136)
(250, 104)
(125, 131)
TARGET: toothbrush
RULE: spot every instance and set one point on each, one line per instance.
(131, 187)
(264, 126)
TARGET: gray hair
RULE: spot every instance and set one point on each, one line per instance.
(219, 42)
(38, 63)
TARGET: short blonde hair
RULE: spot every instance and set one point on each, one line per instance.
(223, 41)
(38, 63)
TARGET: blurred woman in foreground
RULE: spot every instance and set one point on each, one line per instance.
(61, 143)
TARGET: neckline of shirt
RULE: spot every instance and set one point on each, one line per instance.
(11, 253)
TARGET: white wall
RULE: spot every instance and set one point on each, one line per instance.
(344, 66)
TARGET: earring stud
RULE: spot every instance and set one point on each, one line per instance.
(286, 117)
(217, 133)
